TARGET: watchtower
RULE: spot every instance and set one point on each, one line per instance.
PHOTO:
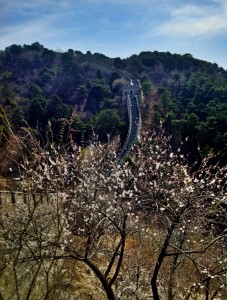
(130, 89)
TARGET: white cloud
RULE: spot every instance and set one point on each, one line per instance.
(38, 29)
(188, 10)
(190, 27)
(118, 1)
(196, 21)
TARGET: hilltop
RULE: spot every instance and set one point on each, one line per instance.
(188, 96)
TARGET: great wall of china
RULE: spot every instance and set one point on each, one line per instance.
(130, 93)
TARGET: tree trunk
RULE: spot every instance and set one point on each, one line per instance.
(160, 261)
(173, 268)
(105, 284)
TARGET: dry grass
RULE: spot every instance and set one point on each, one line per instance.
(71, 279)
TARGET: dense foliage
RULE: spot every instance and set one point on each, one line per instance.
(189, 95)
(38, 85)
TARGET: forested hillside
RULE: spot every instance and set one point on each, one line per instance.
(75, 223)
(40, 87)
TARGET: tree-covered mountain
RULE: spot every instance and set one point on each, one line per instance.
(42, 87)
(188, 95)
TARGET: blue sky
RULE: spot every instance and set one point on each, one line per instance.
(119, 27)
